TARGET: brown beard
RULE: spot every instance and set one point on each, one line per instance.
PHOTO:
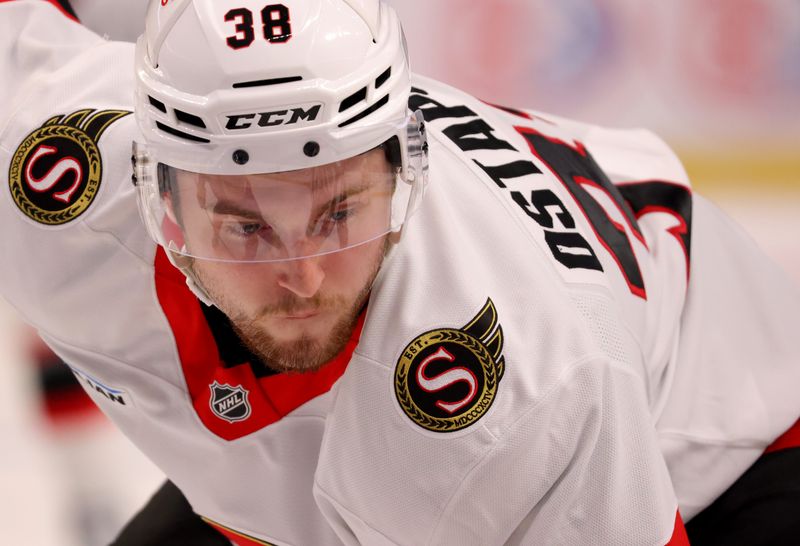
(304, 354)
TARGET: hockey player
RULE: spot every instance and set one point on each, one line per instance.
(378, 311)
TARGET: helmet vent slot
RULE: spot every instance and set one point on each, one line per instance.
(180, 134)
(157, 104)
(380, 80)
(190, 119)
(273, 81)
(366, 112)
(353, 99)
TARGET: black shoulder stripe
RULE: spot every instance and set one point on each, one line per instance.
(760, 508)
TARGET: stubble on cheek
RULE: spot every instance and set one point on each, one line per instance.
(304, 353)
(301, 354)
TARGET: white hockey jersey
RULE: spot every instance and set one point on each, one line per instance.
(564, 338)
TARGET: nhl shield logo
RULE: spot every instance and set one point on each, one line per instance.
(229, 403)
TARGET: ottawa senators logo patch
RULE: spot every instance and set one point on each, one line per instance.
(55, 173)
(447, 379)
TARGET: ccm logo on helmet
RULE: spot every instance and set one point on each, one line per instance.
(275, 118)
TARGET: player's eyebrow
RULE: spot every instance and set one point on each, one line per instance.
(225, 207)
(338, 198)
(231, 208)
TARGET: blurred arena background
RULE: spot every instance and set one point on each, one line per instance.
(719, 80)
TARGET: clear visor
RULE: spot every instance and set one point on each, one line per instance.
(279, 216)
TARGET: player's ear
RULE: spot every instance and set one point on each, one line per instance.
(169, 208)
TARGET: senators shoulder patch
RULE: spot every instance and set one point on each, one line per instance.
(446, 379)
(56, 171)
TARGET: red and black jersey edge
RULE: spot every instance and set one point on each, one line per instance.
(63, 6)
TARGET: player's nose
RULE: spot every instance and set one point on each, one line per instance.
(302, 277)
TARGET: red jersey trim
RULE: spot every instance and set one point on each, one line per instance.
(57, 5)
(240, 539)
(679, 536)
(267, 399)
(789, 439)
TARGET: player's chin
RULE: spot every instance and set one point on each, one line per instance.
(316, 326)
(304, 354)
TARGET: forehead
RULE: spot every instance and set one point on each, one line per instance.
(361, 170)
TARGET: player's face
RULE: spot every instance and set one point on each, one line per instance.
(296, 314)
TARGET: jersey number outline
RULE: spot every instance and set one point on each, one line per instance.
(577, 169)
(574, 166)
(275, 23)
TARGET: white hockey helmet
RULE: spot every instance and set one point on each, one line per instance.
(233, 90)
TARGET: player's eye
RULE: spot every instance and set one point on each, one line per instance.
(245, 230)
(336, 216)
(341, 214)
(250, 229)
